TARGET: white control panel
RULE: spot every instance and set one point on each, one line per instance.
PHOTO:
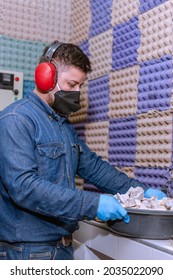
(11, 87)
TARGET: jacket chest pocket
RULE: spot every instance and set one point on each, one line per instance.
(51, 161)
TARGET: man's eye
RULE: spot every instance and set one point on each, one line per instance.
(71, 85)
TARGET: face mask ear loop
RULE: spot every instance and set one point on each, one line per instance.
(58, 86)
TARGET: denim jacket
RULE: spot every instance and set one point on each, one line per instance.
(40, 155)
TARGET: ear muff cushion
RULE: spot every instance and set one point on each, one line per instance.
(45, 76)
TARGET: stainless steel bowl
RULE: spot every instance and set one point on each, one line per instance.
(149, 224)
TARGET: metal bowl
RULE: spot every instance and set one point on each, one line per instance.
(149, 224)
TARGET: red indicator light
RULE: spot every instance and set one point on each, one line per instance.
(16, 79)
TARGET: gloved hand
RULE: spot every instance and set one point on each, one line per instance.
(154, 192)
(110, 209)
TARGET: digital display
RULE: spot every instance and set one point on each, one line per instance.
(6, 77)
(6, 81)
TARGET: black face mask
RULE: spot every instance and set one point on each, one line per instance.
(66, 102)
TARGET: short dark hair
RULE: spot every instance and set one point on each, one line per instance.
(70, 54)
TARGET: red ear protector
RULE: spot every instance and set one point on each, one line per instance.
(45, 76)
(46, 72)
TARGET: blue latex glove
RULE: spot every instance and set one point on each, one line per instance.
(154, 192)
(110, 209)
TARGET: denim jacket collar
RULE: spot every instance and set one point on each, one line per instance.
(44, 106)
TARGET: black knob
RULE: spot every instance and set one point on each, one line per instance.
(16, 92)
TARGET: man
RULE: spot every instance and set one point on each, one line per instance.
(41, 154)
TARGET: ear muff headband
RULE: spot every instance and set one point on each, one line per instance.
(51, 50)
(45, 72)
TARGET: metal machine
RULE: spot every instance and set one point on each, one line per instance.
(11, 87)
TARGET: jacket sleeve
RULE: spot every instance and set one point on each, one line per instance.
(103, 175)
(28, 190)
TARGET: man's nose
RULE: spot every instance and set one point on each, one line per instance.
(77, 88)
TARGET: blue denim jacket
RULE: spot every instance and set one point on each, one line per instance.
(40, 154)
